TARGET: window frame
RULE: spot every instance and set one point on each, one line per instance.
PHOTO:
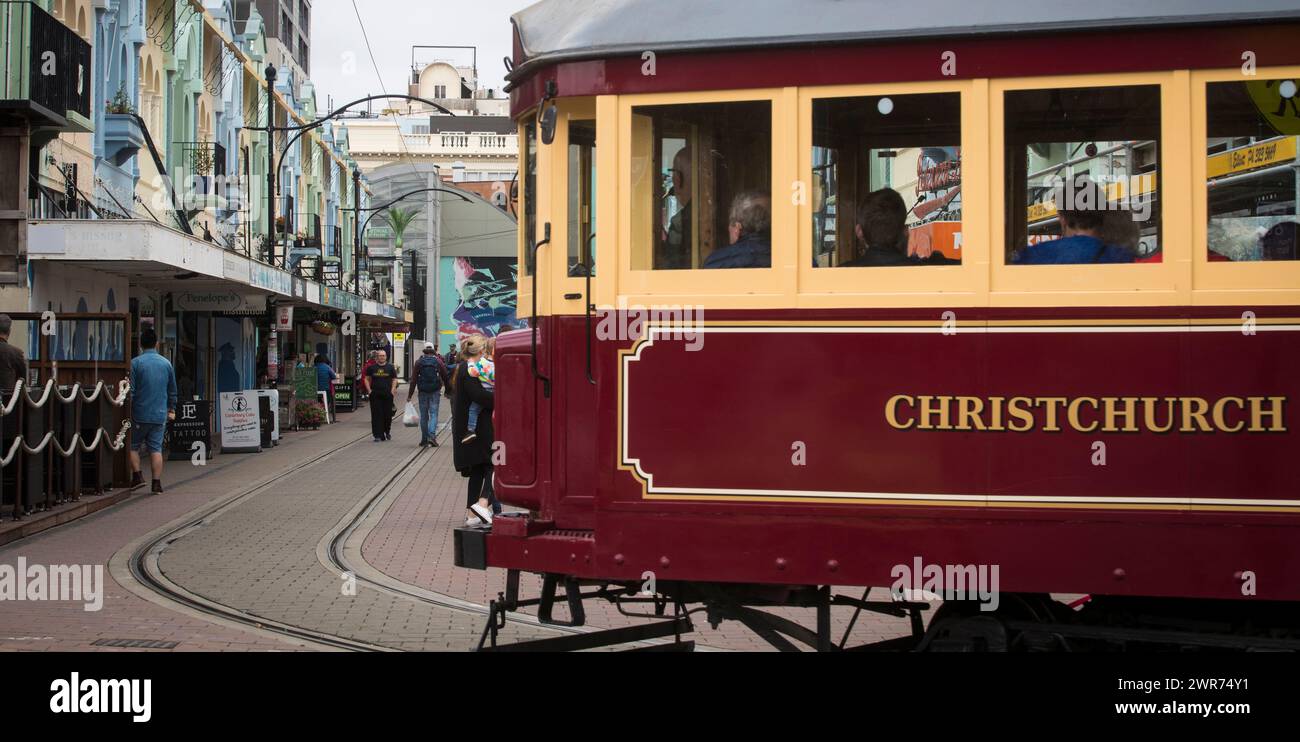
(921, 285)
(720, 288)
(564, 285)
(1219, 283)
(1165, 283)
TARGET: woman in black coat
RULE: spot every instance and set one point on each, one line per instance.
(473, 459)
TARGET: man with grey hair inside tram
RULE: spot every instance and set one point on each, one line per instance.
(749, 227)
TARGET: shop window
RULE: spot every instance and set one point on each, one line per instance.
(886, 180)
(582, 198)
(1252, 170)
(1082, 175)
(702, 191)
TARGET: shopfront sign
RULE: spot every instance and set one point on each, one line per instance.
(218, 301)
(345, 396)
(236, 268)
(284, 318)
(271, 279)
(193, 424)
(340, 299)
(241, 423)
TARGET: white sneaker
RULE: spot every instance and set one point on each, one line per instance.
(473, 522)
(484, 514)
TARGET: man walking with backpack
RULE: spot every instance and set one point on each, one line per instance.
(429, 376)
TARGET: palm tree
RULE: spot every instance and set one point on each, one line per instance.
(399, 219)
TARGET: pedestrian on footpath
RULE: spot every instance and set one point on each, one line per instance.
(13, 364)
(370, 361)
(325, 378)
(473, 458)
(379, 382)
(429, 376)
(153, 405)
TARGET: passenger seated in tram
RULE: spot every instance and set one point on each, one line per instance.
(750, 231)
(1083, 228)
(881, 231)
(1281, 242)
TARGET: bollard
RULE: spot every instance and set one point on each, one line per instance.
(66, 475)
(10, 476)
(36, 422)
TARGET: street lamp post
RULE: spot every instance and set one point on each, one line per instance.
(356, 230)
(270, 162)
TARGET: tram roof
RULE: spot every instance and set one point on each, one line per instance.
(559, 30)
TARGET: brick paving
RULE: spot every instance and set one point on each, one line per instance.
(93, 540)
(260, 556)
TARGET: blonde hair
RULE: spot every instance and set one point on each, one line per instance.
(473, 346)
(491, 347)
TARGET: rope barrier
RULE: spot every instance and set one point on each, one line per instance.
(123, 390)
(77, 443)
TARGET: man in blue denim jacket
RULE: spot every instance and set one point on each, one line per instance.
(153, 404)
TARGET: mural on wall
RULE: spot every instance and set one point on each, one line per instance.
(478, 296)
(76, 290)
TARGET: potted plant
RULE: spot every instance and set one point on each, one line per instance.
(310, 414)
(201, 161)
(123, 136)
(121, 102)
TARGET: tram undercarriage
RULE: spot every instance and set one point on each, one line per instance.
(1021, 623)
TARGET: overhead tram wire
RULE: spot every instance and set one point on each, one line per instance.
(401, 139)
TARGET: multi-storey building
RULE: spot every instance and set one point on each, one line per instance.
(144, 196)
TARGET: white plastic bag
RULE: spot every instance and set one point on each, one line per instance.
(410, 416)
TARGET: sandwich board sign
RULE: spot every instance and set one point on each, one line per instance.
(241, 423)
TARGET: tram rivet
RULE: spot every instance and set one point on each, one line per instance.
(573, 557)
(618, 558)
(780, 563)
(1119, 573)
(663, 562)
(833, 565)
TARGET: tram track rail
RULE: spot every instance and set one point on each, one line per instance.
(144, 566)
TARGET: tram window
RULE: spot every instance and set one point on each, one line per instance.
(1252, 170)
(530, 195)
(1082, 175)
(887, 180)
(702, 195)
(582, 197)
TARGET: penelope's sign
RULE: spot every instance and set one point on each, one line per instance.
(218, 301)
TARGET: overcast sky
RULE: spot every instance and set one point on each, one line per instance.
(340, 63)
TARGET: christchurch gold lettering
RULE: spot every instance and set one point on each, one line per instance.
(1195, 415)
(1073, 415)
(1113, 416)
(1275, 407)
(928, 411)
(1221, 420)
(891, 411)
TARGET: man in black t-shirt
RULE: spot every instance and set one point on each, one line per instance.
(378, 381)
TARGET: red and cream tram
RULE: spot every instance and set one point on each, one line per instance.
(824, 288)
